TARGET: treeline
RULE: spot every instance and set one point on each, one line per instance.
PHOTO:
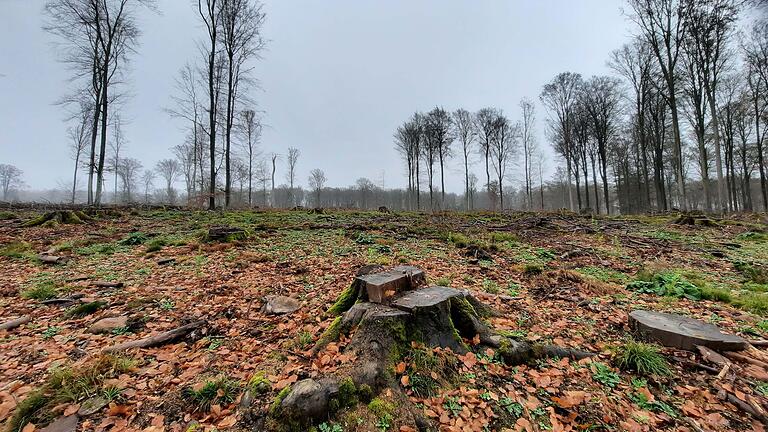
(683, 126)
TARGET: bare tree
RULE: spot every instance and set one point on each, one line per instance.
(241, 23)
(187, 106)
(116, 144)
(503, 149)
(528, 140)
(250, 129)
(465, 131)
(438, 130)
(274, 158)
(148, 180)
(662, 24)
(209, 13)
(486, 130)
(293, 159)
(10, 178)
(560, 97)
(169, 170)
(128, 171)
(756, 53)
(317, 181)
(78, 135)
(602, 96)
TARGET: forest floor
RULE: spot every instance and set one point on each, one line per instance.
(554, 277)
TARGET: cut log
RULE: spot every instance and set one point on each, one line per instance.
(12, 324)
(160, 339)
(51, 259)
(384, 285)
(107, 284)
(64, 301)
(678, 331)
(712, 356)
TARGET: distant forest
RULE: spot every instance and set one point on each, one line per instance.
(680, 123)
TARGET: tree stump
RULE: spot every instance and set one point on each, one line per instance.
(57, 217)
(382, 333)
(226, 234)
(682, 332)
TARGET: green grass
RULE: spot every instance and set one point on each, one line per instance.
(216, 391)
(43, 288)
(67, 385)
(6, 215)
(133, 239)
(84, 309)
(18, 249)
(640, 357)
(604, 375)
(155, 245)
(604, 274)
(752, 272)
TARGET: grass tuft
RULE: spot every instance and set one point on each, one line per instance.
(640, 357)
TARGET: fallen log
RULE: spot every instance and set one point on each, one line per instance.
(160, 339)
(107, 284)
(12, 324)
(746, 359)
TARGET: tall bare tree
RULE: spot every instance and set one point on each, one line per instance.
(78, 136)
(10, 178)
(466, 133)
(486, 130)
(169, 170)
(250, 129)
(209, 11)
(293, 159)
(241, 23)
(317, 181)
(662, 23)
(528, 141)
(560, 96)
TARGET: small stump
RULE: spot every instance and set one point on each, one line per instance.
(677, 331)
(226, 234)
(55, 218)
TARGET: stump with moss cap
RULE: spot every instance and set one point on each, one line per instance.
(383, 332)
(54, 218)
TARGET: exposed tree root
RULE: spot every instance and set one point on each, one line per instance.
(59, 217)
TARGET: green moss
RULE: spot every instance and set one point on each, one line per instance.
(716, 294)
(751, 272)
(259, 383)
(346, 397)
(41, 291)
(365, 392)
(6, 215)
(380, 407)
(345, 301)
(275, 408)
(27, 411)
(84, 309)
(155, 245)
(134, 239)
(756, 303)
(16, 250)
(330, 334)
(218, 391)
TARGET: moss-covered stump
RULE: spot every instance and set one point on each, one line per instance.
(226, 234)
(384, 330)
(57, 217)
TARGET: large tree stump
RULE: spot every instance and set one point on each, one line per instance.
(226, 234)
(382, 333)
(682, 332)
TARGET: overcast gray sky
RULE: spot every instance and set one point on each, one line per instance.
(337, 79)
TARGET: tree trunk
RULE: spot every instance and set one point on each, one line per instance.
(678, 152)
(718, 150)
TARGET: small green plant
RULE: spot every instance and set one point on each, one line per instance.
(752, 272)
(216, 391)
(658, 406)
(121, 330)
(133, 239)
(666, 283)
(604, 375)
(640, 357)
(490, 286)
(215, 343)
(453, 405)
(443, 281)
(330, 427)
(259, 383)
(166, 304)
(304, 339)
(111, 393)
(513, 408)
(384, 422)
(762, 388)
(44, 291)
(503, 237)
(155, 245)
(51, 332)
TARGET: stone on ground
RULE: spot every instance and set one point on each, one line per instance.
(92, 405)
(279, 305)
(309, 399)
(678, 331)
(107, 325)
(62, 424)
(382, 286)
